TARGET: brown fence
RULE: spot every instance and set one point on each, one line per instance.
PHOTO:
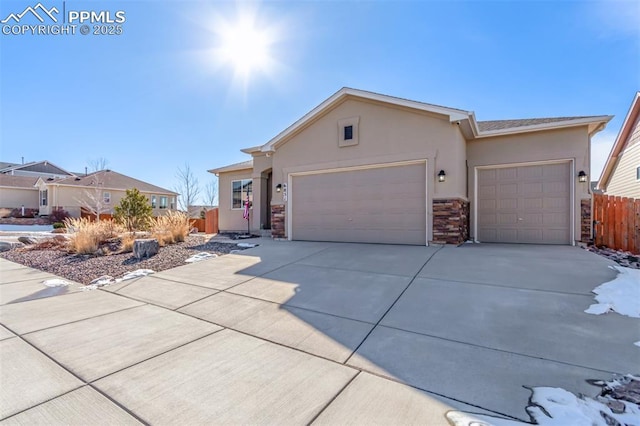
(197, 223)
(617, 222)
(211, 221)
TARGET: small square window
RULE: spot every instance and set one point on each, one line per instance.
(348, 133)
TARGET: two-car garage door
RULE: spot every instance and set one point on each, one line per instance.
(380, 204)
(526, 204)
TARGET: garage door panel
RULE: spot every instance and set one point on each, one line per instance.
(377, 205)
(527, 204)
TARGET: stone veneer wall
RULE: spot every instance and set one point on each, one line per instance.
(277, 221)
(450, 221)
(585, 220)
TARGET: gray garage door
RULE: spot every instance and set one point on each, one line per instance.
(528, 204)
(378, 205)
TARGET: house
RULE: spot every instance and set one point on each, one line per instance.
(621, 173)
(43, 186)
(365, 167)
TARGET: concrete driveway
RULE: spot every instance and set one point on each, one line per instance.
(297, 333)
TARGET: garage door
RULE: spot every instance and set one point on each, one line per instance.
(375, 205)
(528, 204)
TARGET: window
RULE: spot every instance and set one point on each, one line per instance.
(106, 197)
(172, 203)
(163, 202)
(638, 173)
(44, 195)
(153, 202)
(241, 189)
(348, 133)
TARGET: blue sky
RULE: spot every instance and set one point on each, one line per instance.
(159, 95)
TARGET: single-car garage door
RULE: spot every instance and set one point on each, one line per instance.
(528, 204)
(373, 205)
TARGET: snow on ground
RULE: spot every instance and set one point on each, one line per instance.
(621, 295)
(55, 282)
(107, 280)
(246, 245)
(558, 407)
(200, 256)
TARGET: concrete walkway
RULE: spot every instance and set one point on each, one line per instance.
(299, 333)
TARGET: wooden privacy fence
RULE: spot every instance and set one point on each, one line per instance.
(617, 222)
(197, 223)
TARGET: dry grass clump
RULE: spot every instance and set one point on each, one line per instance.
(126, 242)
(171, 228)
(5, 212)
(86, 235)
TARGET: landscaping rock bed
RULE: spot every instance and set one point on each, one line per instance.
(85, 268)
(622, 258)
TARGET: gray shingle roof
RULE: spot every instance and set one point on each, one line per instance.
(231, 167)
(114, 180)
(487, 126)
(17, 181)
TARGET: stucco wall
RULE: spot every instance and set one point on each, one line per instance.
(230, 219)
(571, 144)
(623, 180)
(386, 134)
(17, 197)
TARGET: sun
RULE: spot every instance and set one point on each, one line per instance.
(245, 47)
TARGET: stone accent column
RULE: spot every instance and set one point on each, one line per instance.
(450, 221)
(277, 221)
(585, 220)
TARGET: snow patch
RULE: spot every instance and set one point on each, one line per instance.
(55, 282)
(200, 256)
(621, 295)
(558, 407)
(637, 343)
(246, 245)
(136, 274)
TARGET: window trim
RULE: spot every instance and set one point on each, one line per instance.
(154, 202)
(166, 203)
(106, 197)
(241, 195)
(352, 122)
(44, 199)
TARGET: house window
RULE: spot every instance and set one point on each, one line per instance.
(348, 133)
(163, 202)
(241, 189)
(638, 173)
(172, 203)
(44, 195)
(106, 197)
(153, 202)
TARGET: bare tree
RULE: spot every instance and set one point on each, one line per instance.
(188, 187)
(211, 192)
(98, 164)
(94, 200)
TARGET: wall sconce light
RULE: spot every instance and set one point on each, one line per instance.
(582, 176)
(279, 187)
(441, 176)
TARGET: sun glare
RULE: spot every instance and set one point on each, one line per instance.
(245, 47)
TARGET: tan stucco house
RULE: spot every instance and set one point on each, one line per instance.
(44, 186)
(365, 167)
(621, 173)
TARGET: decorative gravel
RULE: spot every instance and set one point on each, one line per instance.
(84, 268)
(622, 258)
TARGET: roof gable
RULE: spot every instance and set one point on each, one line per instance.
(42, 167)
(621, 142)
(112, 180)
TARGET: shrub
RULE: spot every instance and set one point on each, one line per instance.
(171, 228)
(134, 211)
(58, 225)
(58, 214)
(86, 236)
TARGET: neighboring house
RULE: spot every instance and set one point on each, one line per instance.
(621, 173)
(198, 211)
(43, 186)
(365, 167)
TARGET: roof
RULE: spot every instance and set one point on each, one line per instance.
(112, 180)
(621, 142)
(43, 167)
(485, 126)
(18, 181)
(4, 165)
(233, 167)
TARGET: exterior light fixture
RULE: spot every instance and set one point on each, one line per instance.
(279, 187)
(582, 176)
(441, 176)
